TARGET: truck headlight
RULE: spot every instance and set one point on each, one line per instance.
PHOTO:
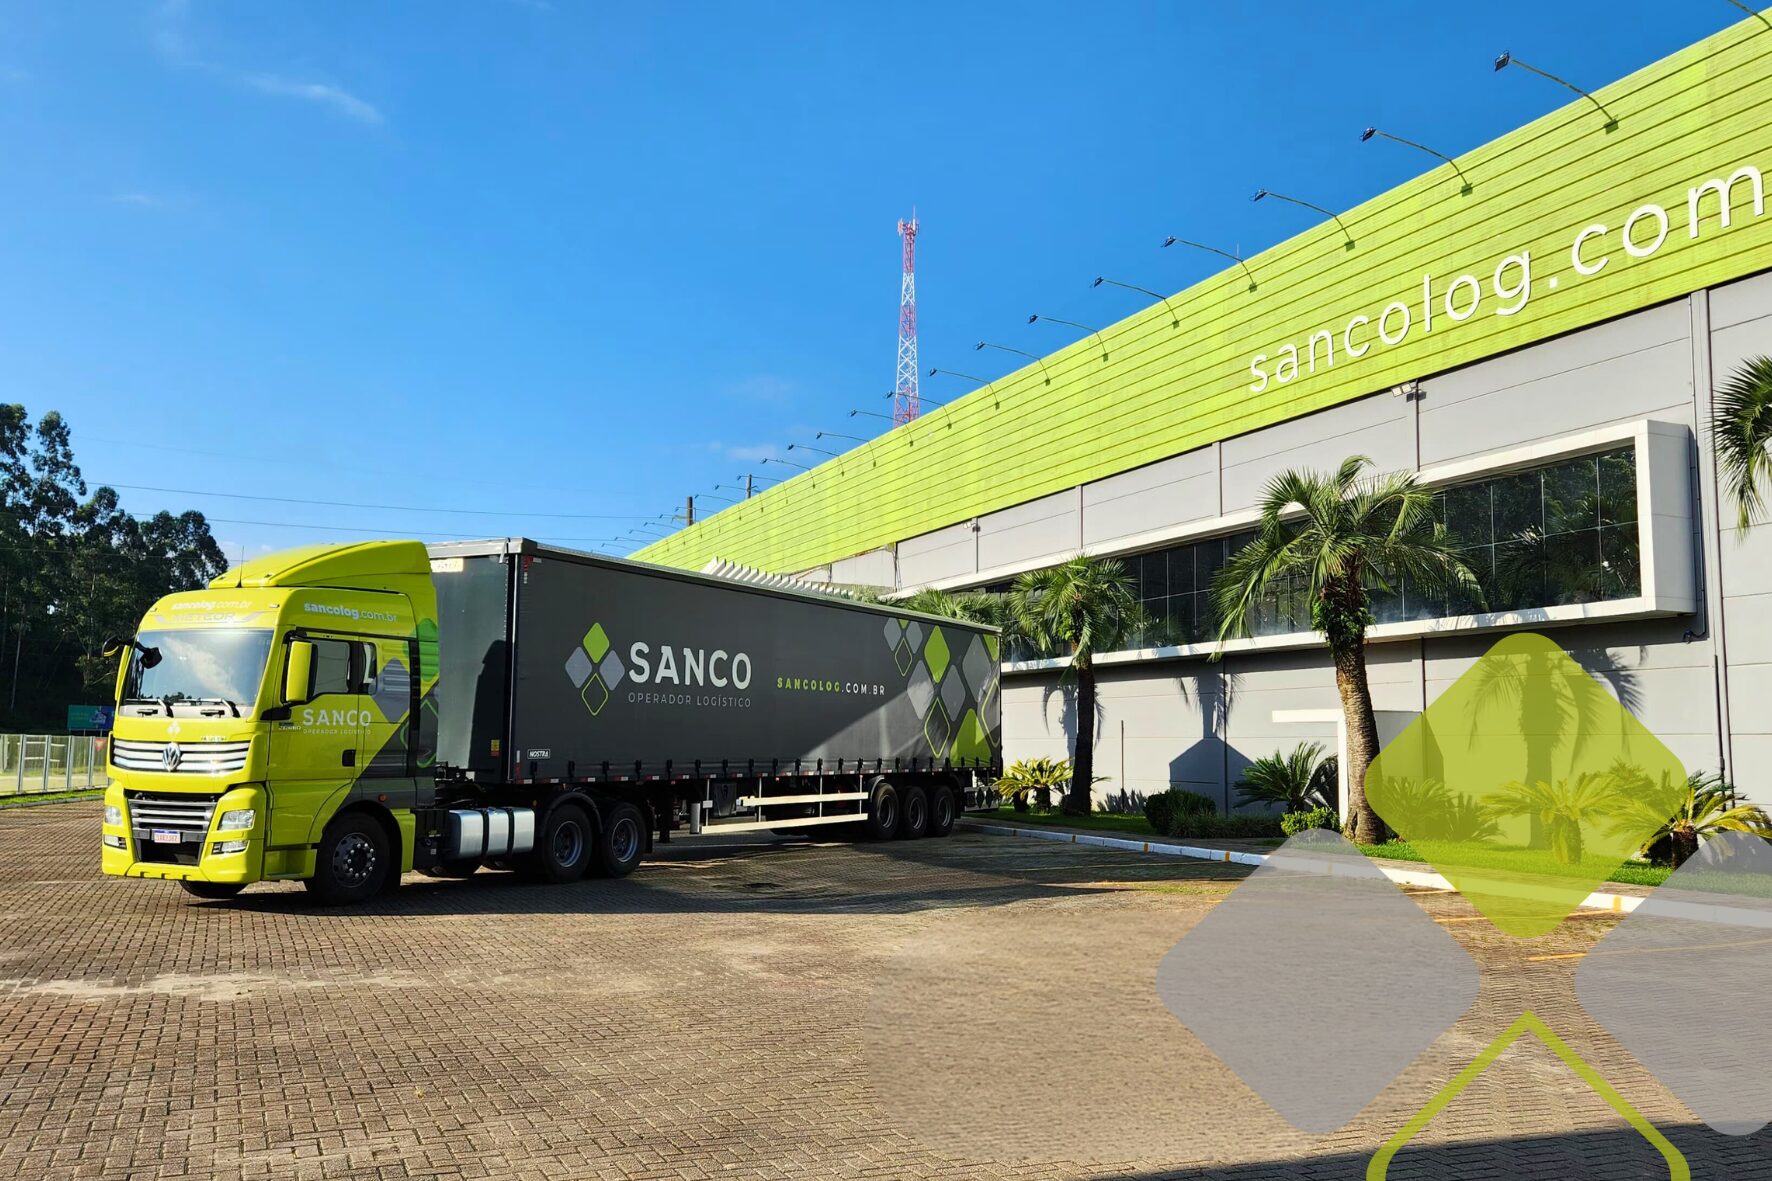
(228, 847)
(115, 842)
(113, 814)
(238, 820)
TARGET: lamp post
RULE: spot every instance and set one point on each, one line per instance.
(1507, 59)
(806, 447)
(1036, 318)
(957, 373)
(787, 462)
(1172, 240)
(1003, 348)
(1174, 320)
(1374, 133)
(929, 401)
(1345, 232)
(839, 435)
(874, 413)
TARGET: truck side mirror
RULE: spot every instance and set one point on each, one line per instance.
(298, 673)
(114, 645)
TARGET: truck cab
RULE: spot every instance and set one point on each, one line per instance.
(276, 726)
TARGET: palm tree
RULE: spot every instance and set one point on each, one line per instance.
(1741, 430)
(1562, 806)
(1291, 780)
(1341, 534)
(1083, 606)
(971, 606)
(1686, 814)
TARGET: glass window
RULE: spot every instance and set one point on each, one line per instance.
(220, 665)
(1564, 533)
(343, 666)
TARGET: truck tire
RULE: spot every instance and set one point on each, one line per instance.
(620, 842)
(352, 863)
(883, 812)
(915, 822)
(212, 891)
(944, 809)
(563, 847)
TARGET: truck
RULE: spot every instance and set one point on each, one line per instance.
(341, 714)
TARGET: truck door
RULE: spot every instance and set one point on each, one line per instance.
(316, 752)
(386, 745)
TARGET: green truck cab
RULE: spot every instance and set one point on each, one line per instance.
(274, 726)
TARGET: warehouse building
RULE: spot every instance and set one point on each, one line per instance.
(1537, 330)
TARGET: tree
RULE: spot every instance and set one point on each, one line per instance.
(1080, 607)
(74, 568)
(1294, 781)
(1341, 534)
(1741, 429)
(1688, 813)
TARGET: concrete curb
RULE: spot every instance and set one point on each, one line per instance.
(1420, 878)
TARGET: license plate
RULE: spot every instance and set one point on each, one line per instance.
(166, 836)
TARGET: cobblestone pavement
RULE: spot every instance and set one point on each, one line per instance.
(975, 1007)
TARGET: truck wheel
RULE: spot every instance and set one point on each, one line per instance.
(621, 841)
(883, 813)
(563, 847)
(942, 811)
(213, 891)
(352, 862)
(916, 814)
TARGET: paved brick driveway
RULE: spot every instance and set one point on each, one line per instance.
(968, 1008)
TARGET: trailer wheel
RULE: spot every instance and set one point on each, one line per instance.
(942, 811)
(562, 847)
(916, 814)
(213, 891)
(883, 812)
(621, 841)
(351, 864)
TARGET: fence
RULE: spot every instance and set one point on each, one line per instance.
(31, 764)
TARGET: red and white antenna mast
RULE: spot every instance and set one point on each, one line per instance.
(905, 404)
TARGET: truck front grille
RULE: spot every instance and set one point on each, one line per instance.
(191, 758)
(153, 813)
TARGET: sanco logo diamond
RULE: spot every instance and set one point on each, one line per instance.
(595, 669)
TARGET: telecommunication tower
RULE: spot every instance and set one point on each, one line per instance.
(905, 404)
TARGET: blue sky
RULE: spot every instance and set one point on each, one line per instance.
(519, 257)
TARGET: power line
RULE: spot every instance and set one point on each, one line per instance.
(398, 508)
(383, 532)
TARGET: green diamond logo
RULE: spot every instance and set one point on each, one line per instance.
(1526, 784)
(596, 642)
(595, 694)
(937, 729)
(936, 653)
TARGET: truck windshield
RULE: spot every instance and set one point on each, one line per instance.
(221, 666)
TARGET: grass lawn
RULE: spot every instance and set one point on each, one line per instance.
(1529, 861)
(50, 797)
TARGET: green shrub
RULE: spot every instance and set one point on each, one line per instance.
(1163, 809)
(1033, 781)
(1210, 827)
(1293, 823)
(1297, 782)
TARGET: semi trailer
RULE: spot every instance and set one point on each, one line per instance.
(338, 715)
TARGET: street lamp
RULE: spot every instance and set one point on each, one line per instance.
(839, 435)
(787, 462)
(957, 373)
(1036, 318)
(1345, 233)
(1174, 320)
(985, 344)
(1372, 132)
(1507, 59)
(1172, 240)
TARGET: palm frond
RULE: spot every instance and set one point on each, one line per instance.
(1740, 432)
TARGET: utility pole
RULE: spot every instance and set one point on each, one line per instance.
(747, 486)
(689, 510)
